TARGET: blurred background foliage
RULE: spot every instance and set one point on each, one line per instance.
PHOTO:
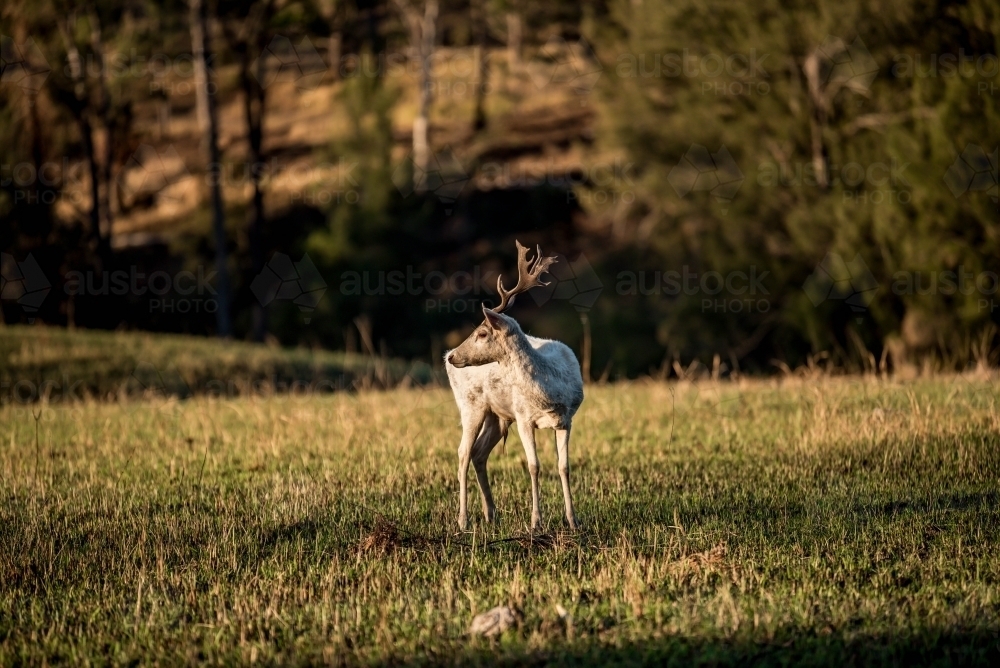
(830, 149)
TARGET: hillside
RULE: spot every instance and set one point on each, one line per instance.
(69, 365)
(539, 126)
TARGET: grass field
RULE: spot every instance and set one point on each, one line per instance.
(833, 521)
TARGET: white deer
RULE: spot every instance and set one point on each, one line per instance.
(501, 375)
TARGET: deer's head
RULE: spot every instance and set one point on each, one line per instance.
(491, 341)
(488, 343)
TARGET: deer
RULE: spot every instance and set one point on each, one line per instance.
(499, 376)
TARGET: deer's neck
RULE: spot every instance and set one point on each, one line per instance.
(524, 360)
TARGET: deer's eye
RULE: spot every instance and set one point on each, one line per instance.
(481, 333)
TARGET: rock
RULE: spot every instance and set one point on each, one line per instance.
(493, 622)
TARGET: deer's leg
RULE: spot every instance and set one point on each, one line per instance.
(471, 423)
(527, 433)
(481, 449)
(562, 449)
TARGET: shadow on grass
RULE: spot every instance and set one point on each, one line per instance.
(839, 648)
(949, 501)
(788, 518)
(311, 531)
(786, 521)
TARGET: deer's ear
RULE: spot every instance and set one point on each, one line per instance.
(493, 319)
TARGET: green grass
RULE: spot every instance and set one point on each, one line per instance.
(825, 521)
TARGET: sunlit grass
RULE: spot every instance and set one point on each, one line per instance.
(826, 520)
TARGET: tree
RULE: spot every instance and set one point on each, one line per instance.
(830, 148)
(208, 122)
(109, 119)
(482, 65)
(247, 31)
(83, 113)
(512, 15)
(332, 12)
(423, 33)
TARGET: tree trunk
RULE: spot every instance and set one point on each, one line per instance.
(331, 10)
(82, 113)
(818, 117)
(334, 46)
(421, 142)
(162, 114)
(253, 108)
(210, 146)
(513, 40)
(107, 120)
(481, 64)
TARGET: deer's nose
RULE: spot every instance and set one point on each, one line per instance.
(451, 359)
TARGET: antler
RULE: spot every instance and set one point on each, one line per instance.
(528, 275)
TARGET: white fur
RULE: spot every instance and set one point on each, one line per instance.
(533, 382)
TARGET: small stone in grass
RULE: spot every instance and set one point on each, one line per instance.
(493, 622)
